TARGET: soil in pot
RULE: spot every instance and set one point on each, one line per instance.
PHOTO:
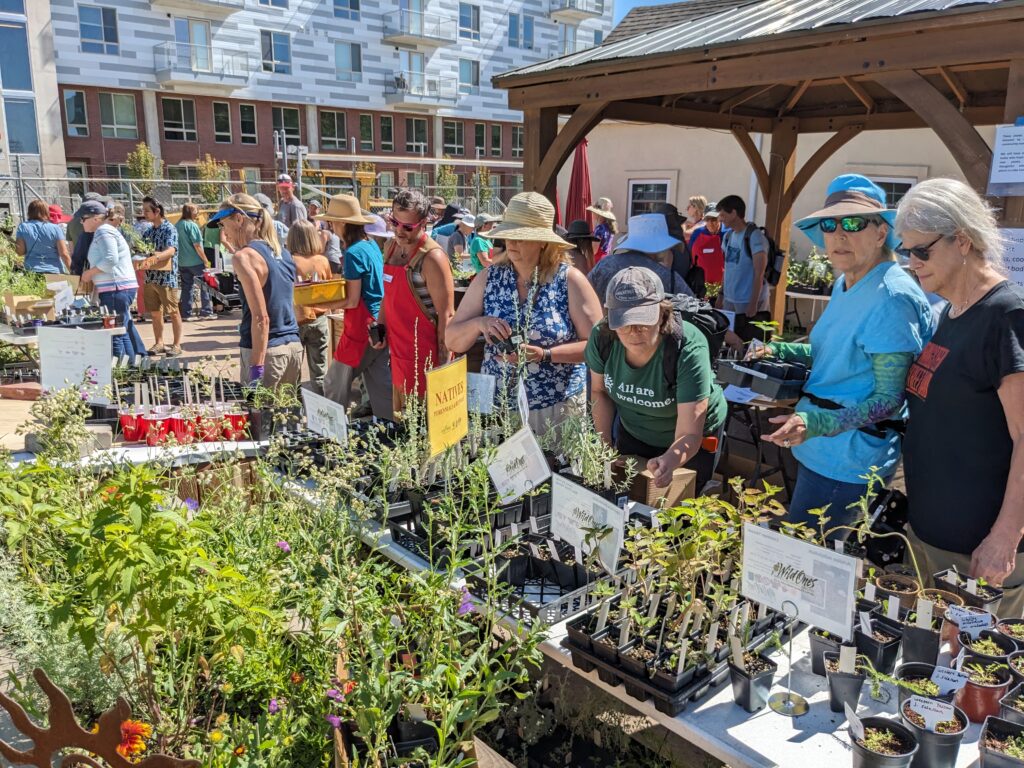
(752, 682)
(989, 645)
(821, 643)
(581, 629)
(636, 659)
(916, 679)
(606, 644)
(885, 743)
(1014, 629)
(988, 683)
(942, 599)
(1016, 662)
(1001, 744)
(881, 647)
(665, 676)
(951, 630)
(843, 687)
(903, 588)
(938, 748)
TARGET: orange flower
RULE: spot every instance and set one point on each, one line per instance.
(297, 678)
(348, 687)
(133, 738)
(240, 750)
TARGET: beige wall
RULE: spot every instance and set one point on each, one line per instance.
(707, 162)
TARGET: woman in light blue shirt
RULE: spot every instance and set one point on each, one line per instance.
(875, 325)
(41, 242)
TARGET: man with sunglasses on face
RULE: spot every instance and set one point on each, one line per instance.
(419, 297)
(744, 288)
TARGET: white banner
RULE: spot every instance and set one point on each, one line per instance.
(574, 510)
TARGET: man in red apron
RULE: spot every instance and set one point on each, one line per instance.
(706, 246)
(419, 297)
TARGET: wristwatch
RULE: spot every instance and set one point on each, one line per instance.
(547, 355)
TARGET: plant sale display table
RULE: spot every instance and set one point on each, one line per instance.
(818, 302)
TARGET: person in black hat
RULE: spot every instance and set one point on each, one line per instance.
(582, 239)
(682, 260)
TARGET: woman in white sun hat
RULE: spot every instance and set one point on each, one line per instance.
(533, 297)
(606, 228)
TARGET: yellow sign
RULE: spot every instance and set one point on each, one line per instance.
(447, 411)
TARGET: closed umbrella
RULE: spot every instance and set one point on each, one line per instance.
(579, 199)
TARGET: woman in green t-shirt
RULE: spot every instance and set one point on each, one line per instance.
(639, 406)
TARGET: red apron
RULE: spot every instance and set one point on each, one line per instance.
(411, 334)
(355, 335)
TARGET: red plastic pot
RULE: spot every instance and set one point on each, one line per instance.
(234, 425)
(131, 427)
(154, 429)
(209, 428)
(981, 701)
(182, 427)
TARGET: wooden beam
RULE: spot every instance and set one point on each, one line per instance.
(1013, 207)
(891, 121)
(859, 91)
(813, 164)
(866, 57)
(540, 126)
(694, 118)
(794, 97)
(778, 214)
(969, 150)
(564, 143)
(753, 157)
(955, 84)
(743, 97)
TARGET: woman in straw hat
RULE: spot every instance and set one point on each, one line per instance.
(533, 297)
(876, 323)
(364, 291)
(270, 348)
(606, 229)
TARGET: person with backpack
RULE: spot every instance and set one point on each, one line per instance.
(653, 390)
(745, 283)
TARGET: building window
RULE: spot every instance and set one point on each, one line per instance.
(252, 180)
(348, 61)
(12, 6)
(182, 177)
(274, 3)
(117, 116)
(222, 122)
(118, 189)
(97, 29)
(416, 135)
(74, 113)
(469, 76)
(598, 37)
(646, 195)
(247, 123)
(517, 141)
(495, 141)
(75, 171)
(516, 182)
(469, 21)
(179, 119)
(346, 9)
(895, 187)
(22, 137)
(387, 133)
(332, 130)
(15, 73)
(286, 123)
(417, 180)
(480, 134)
(454, 139)
(385, 181)
(520, 31)
(366, 133)
(277, 52)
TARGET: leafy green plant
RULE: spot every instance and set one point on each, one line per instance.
(144, 166)
(984, 674)
(214, 174)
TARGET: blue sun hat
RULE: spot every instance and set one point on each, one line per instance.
(851, 195)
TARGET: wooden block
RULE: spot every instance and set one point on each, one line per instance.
(29, 391)
(643, 489)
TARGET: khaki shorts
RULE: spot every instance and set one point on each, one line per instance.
(161, 298)
(281, 365)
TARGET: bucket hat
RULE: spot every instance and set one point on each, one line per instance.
(580, 230)
(851, 195)
(57, 215)
(603, 208)
(379, 228)
(344, 208)
(633, 297)
(648, 233)
(530, 216)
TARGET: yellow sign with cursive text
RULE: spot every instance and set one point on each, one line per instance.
(447, 409)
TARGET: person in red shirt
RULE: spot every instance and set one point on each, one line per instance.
(706, 246)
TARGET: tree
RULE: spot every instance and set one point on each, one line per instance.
(482, 180)
(143, 164)
(214, 173)
(447, 182)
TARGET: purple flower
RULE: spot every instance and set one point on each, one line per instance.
(466, 604)
(192, 504)
(284, 546)
(335, 694)
(333, 720)
(273, 707)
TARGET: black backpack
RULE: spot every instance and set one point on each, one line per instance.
(776, 257)
(705, 318)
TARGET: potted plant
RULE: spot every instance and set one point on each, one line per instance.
(915, 679)
(990, 645)
(942, 599)
(1011, 706)
(1014, 629)
(886, 744)
(987, 683)
(1016, 662)
(938, 748)
(822, 642)
(1001, 744)
(752, 682)
(918, 643)
(983, 596)
(902, 588)
(843, 687)
(880, 648)
(950, 632)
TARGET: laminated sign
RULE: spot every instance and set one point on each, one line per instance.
(519, 465)
(325, 417)
(575, 511)
(67, 354)
(447, 410)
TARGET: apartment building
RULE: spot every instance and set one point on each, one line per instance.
(402, 84)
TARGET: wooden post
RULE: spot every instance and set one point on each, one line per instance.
(781, 168)
(540, 129)
(1013, 207)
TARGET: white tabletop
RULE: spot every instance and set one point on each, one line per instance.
(809, 296)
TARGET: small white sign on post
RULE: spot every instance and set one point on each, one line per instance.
(67, 355)
(1006, 177)
(574, 510)
(948, 679)
(524, 403)
(480, 392)
(519, 466)
(933, 711)
(325, 417)
(856, 726)
(779, 569)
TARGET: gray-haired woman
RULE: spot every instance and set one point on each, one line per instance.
(964, 451)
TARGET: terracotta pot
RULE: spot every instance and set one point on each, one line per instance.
(908, 598)
(951, 598)
(981, 701)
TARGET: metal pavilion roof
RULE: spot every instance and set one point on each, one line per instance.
(743, 22)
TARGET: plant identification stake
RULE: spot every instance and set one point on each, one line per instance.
(325, 417)
(523, 403)
(865, 623)
(848, 659)
(856, 726)
(933, 712)
(869, 591)
(737, 651)
(684, 647)
(973, 623)
(972, 586)
(892, 609)
(924, 613)
(602, 615)
(948, 679)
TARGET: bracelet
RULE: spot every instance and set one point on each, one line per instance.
(547, 355)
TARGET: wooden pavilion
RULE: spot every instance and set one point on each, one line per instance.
(787, 67)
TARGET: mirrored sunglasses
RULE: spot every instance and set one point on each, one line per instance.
(847, 223)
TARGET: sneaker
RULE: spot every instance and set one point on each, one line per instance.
(173, 351)
(157, 349)
(210, 316)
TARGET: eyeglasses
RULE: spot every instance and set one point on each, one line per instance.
(848, 224)
(407, 227)
(919, 252)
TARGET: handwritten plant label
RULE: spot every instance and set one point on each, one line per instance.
(948, 679)
(933, 711)
(325, 417)
(856, 726)
(480, 398)
(956, 613)
(576, 513)
(519, 466)
(973, 623)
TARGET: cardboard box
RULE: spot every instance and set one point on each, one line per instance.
(643, 489)
(337, 324)
(30, 305)
(71, 280)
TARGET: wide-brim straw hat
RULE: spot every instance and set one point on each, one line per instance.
(344, 208)
(603, 208)
(851, 195)
(529, 216)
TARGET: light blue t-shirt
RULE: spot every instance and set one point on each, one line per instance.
(739, 268)
(885, 312)
(41, 238)
(365, 262)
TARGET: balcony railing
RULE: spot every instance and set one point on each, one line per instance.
(577, 10)
(202, 64)
(420, 88)
(215, 6)
(417, 27)
(565, 48)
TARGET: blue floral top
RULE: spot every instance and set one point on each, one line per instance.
(163, 237)
(550, 325)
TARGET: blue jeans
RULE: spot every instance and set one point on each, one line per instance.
(188, 276)
(813, 491)
(130, 344)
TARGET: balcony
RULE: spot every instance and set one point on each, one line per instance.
(207, 67)
(418, 90)
(418, 28)
(567, 48)
(204, 7)
(575, 11)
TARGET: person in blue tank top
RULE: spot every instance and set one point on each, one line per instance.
(876, 323)
(270, 348)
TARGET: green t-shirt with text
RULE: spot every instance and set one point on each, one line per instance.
(188, 234)
(645, 406)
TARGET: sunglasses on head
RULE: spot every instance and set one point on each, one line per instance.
(919, 252)
(847, 223)
(407, 227)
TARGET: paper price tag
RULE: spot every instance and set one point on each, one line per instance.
(924, 613)
(892, 609)
(847, 659)
(856, 726)
(973, 623)
(933, 711)
(865, 622)
(870, 592)
(948, 679)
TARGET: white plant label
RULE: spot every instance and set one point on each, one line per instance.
(553, 550)
(973, 623)
(624, 634)
(956, 613)
(933, 711)
(519, 466)
(838, 545)
(870, 592)
(577, 553)
(655, 602)
(972, 586)
(948, 679)
(959, 664)
(480, 392)
(924, 613)
(670, 604)
(865, 623)
(737, 651)
(847, 659)
(856, 726)
(325, 417)
(762, 611)
(532, 522)
(892, 609)
(709, 645)
(524, 404)
(684, 647)
(602, 615)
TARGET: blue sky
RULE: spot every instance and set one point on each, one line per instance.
(622, 7)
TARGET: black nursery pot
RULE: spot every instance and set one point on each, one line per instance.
(751, 693)
(864, 758)
(917, 644)
(843, 687)
(1009, 712)
(882, 655)
(819, 647)
(1006, 643)
(916, 670)
(936, 750)
(580, 629)
(604, 650)
(1000, 729)
(1005, 624)
(671, 682)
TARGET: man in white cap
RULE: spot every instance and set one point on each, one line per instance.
(289, 209)
(458, 243)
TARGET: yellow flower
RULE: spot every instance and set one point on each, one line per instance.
(227, 688)
(221, 718)
(216, 737)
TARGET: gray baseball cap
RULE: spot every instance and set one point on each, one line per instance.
(634, 297)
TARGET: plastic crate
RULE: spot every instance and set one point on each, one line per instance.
(324, 292)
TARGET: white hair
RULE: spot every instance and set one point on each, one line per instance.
(949, 206)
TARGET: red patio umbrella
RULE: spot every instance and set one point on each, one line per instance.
(578, 199)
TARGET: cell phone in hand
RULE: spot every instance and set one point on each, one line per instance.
(377, 333)
(509, 346)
